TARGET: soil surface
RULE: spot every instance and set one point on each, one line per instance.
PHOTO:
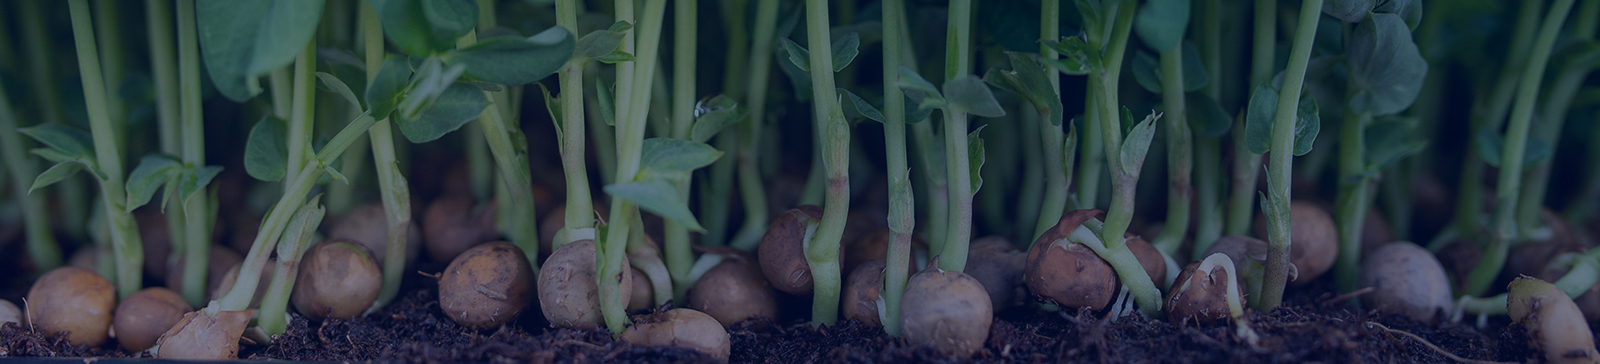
(1307, 329)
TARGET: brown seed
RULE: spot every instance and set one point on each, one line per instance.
(367, 225)
(1200, 297)
(337, 279)
(782, 250)
(568, 292)
(73, 300)
(1068, 274)
(734, 291)
(1149, 258)
(486, 286)
(453, 224)
(947, 310)
(684, 328)
(641, 297)
(862, 291)
(996, 263)
(142, 318)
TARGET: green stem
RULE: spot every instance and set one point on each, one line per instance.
(685, 18)
(1115, 249)
(1247, 165)
(109, 35)
(1093, 157)
(36, 42)
(1180, 163)
(395, 192)
(605, 144)
(1509, 183)
(1557, 104)
(717, 195)
(953, 256)
(902, 204)
(1584, 272)
(1030, 198)
(1585, 206)
(630, 143)
(197, 212)
(580, 203)
(42, 247)
(511, 161)
(822, 251)
(751, 191)
(303, 103)
(274, 317)
(124, 230)
(1355, 192)
(1053, 141)
(1208, 150)
(1279, 167)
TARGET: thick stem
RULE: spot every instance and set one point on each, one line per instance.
(1247, 165)
(822, 251)
(1052, 140)
(113, 63)
(394, 191)
(1279, 167)
(1355, 192)
(953, 256)
(1123, 188)
(124, 231)
(580, 204)
(1180, 163)
(511, 163)
(1509, 183)
(1553, 116)
(630, 142)
(685, 19)
(751, 191)
(902, 204)
(198, 213)
(274, 316)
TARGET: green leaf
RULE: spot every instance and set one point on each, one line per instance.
(421, 28)
(1126, 121)
(54, 156)
(1386, 142)
(339, 88)
(1160, 24)
(1030, 79)
(334, 172)
(244, 40)
(1306, 125)
(916, 113)
(798, 55)
(388, 87)
(845, 49)
(195, 180)
(975, 158)
(1147, 71)
(674, 158)
(266, 151)
(552, 105)
(1077, 57)
(456, 106)
(1206, 116)
(515, 60)
(1491, 143)
(70, 140)
(712, 115)
(1258, 118)
(1349, 11)
(608, 107)
(799, 79)
(56, 173)
(1386, 69)
(154, 170)
(658, 197)
(968, 94)
(862, 106)
(601, 43)
(430, 82)
(1194, 72)
(920, 90)
(1137, 144)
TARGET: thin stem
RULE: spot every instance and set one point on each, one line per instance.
(957, 171)
(511, 163)
(197, 212)
(394, 191)
(1180, 163)
(300, 115)
(605, 144)
(1509, 184)
(1247, 165)
(42, 249)
(1355, 192)
(1092, 156)
(1208, 150)
(1553, 116)
(717, 195)
(630, 143)
(124, 230)
(580, 203)
(902, 204)
(109, 35)
(1279, 167)
(751, 191)
(36, 42)
(1052, 140)
(822, 251)
(274, 316)
(685, 19)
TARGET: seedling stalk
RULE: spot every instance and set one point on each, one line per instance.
(393, 189)
(632, 111)
(953, 256)
(1279, 167)
(822, 250)
(125, 244)
(751, 191)
(902, 211)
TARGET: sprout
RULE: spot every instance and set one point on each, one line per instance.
(487, 286)
(734, 290)
(1206, 291)
(684, 328)
(337, 279)
(1406, 280)
(145, 316)
(1554, 325)
(567, 286)
(452, 225)
(72, 300)
(1068, 274)
(946, 309)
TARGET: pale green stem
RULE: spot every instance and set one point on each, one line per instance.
(1180, 163)
(164, 73)
(957, 171)
(109, 35)
(128, 252)
(42, 247)
(822, 251)
(36, 42)
(751, 190)
(1355, 198)
(1053, 141)
(717, 195)
(580, 203)
(1509, 183)
(198, 213)
(685, 18)
(1247, 165)
(630, 143)
(902, 204)
(394, 191)
(1208, 150)
(1557, 104)
(1279, 167)
(300, 115)
(274, 317)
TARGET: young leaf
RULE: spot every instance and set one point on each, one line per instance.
(608, 107)
(600, 44)
(862, 106)
(194, 180)
(712, 115)
(266, 153)
(920, 90)
(658, 197)
(515, 60)
(244, 40)
(798, 55)
(968, 94)
(1030, 79)
(1349, 11)
(1388, 141)
(1077, 59)
(458, 104)
(1137, 144)
(553, 105)
(845, 49)
(1161, 23)
(56, 173)
(338, 87)
(1386, 69)
(1126, 121)
(1306, 125)
(1258, 119)
(1206, 116)
(673, 158)
(430, 82)
(388, 87)
(72, 141)
(799, 79)
(975, 158)
(154, 170)
(422, 28)
(333, 173)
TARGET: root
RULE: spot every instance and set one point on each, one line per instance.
(1347, 296)
(1435, 348)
